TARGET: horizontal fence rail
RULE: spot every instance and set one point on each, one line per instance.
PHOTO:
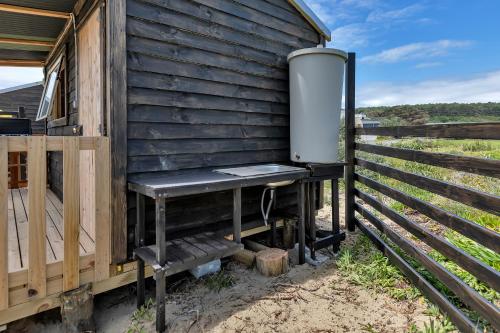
(41, 279)
(480, 166)
(474, 198)
(477, 232)
(445, 131)
(370, 207)
(463, 323)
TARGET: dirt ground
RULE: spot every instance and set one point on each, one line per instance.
(306, 299)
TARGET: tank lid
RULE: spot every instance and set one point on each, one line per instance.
(317, 50)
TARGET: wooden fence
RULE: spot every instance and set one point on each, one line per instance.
(367, 205)
(41, 279)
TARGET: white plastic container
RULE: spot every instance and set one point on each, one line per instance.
(208, 268)
(316, 81)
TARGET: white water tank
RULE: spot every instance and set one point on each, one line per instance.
(316, 81)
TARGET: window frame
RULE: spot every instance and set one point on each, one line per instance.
(60, 64)
(62, 120)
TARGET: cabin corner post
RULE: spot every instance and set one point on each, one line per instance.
(350, 108)
(116, 102)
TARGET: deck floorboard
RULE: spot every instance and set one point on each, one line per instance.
(18, 230)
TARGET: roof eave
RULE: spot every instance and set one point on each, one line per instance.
(312, 18)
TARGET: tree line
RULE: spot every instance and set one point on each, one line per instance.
(428, 113)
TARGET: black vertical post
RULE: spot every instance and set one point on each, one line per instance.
(335, 214)
(160, 300)
(311, 204)
(139, 241)
(237, 215)
(302, 231)
(21, 112)
(350, 108)
(161, 258)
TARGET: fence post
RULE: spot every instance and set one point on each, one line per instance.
(103, 208)
(350, 108)
(71, 212)
(4, 238)
(37, 182)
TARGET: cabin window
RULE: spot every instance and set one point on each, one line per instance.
(59, 111)
(54, 98)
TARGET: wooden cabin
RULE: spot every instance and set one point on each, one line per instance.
(135, 87)
(22, 102)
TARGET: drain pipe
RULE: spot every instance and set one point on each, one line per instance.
(265, 213)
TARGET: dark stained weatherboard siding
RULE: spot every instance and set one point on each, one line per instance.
(29, 98)
(208, 86)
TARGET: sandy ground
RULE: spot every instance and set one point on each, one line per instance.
(306, 299)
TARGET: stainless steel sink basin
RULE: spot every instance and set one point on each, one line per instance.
(257, 170)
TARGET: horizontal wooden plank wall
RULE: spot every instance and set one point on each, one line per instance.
(29, 98)
(208, 84)
(370, 207)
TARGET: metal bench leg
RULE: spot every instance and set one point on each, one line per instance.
(141, 285)
(237, 215)
(139, 241)
(312, 218)
(161, 258)
(302, 231)
(160, 300)
(335, 213)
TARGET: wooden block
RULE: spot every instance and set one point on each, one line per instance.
(272, 262)
(246, 257)
(257, 230)
(71, 212)
(37, 184)
(254, 246)
(4, 223)
(289, 233)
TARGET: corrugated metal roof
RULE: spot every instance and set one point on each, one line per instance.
(312, 18)
(24, 25)
(22, 54)
(31, 27)
(56, 5)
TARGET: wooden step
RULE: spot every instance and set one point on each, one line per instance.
(189, 252)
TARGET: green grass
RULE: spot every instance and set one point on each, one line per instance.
(366, 266)
(219, 281)
(141, 317)
(475, 148)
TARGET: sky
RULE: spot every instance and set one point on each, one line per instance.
(411, 52)
(408, 52)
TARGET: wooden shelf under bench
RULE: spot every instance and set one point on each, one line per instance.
(189, 252)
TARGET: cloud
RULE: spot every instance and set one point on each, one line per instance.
(428, 64)
(413, 51)
(474, 89)
(369, 4)
(15, 76)
(379, 15)
(324, 10)
(350, 36)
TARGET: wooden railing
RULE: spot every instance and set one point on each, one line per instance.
(41, 279)
(17, 170)
(371, 208)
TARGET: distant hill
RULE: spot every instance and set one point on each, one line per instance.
(433, 113)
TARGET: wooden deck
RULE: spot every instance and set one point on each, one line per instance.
(18, 230)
